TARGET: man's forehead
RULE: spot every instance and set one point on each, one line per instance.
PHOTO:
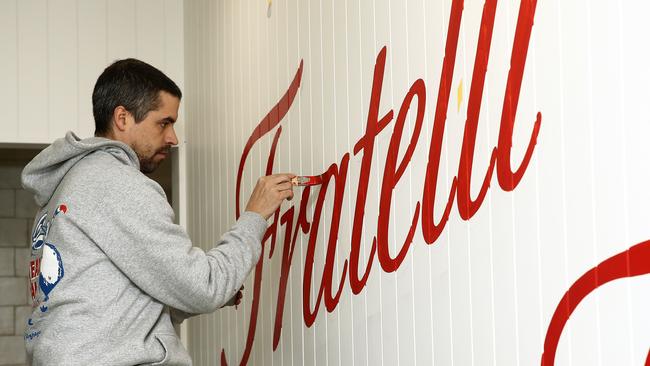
(168, 108)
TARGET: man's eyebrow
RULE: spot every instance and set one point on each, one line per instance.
(168, 120)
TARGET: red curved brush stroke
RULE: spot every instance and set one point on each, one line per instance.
(632, 262)
(267, 124)
(269, 121)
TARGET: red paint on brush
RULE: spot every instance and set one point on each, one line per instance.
(307, 180)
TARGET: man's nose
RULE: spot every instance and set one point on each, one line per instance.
(171, 138)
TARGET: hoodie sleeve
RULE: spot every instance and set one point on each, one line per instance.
(179, 317)
(133, 225)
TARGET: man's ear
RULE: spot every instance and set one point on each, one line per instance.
(120, 118)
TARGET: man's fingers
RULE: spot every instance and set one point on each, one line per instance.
(287, 194)
(284, 186)
(285, 191)
(279, 178)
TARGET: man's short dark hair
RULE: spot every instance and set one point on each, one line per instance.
(130, 83)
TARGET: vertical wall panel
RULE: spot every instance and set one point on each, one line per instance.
(173, 53)
(92, 57)
(122, 28)
(32, 70)
(62, 77)
(355, 108)
(149, 29)
(9, 70)
(636, 175)
(337, 25)
(442, 317)
(189, 31)
(486, 289)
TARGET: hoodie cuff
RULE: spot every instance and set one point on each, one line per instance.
(253, 222)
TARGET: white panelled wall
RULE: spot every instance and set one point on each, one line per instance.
(485, 290)
(53, 52)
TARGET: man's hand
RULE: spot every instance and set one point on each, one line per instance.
(236, 300)
(269, 193)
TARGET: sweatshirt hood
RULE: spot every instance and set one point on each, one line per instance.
(44, 173)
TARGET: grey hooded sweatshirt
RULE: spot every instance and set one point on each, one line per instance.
(109, 269)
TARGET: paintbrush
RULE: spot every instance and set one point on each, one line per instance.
(307, 180)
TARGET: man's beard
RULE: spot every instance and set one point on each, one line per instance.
(147, 164)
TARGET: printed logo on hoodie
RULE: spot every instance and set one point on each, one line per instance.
(46, 266)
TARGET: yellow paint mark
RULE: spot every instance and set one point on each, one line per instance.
(460, 94)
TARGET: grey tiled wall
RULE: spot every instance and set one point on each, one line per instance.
(17, 210)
